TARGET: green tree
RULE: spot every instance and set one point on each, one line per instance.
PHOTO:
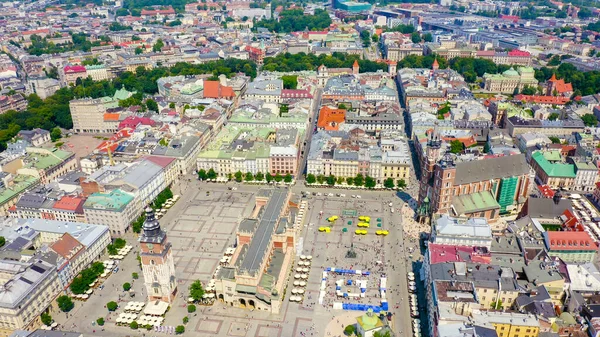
(135, 276)
(339, 180)
(349, 330)
(100, 321)
(196, 290)
(202, 174)
(191, 308)
(278, 178)
(359, 180)
(497, 305)
(268, 177)
(404, 29)
(389, 183)
(375, 38)
(554, 140)
(179, 329)
(310, 178)
(126, 286)
(2, 241)
(46, 319)
(112, 306)
(290, 81)
(288, 178)
(238, 176)
(370, 182)
(152, 105)
(55, 134)
(158, 45)
(259, 176)
(249, 176)
(561, 14)
(486, 147)
(350, 181)
(138, 50)
(134, 325)
(427, 37)
(65, 304)
(320, 179)
(456, 146)
(211, 174)
(331, 180)
(186, 320)
(589, 120)
(415, 37)
(527, 90)
(401, 184)
(365, 36)
(553, 116)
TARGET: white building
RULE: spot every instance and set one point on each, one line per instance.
(462, 232)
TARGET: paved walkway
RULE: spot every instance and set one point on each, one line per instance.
(336, 327)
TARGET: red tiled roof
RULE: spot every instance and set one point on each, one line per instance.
(558, 100)
(74, 69)
(214, 89)
(295, 93)
(330, 119)
(161, 161)
(67, 246)
(486, 53)
(134, 121)
(546, 191)
(570, 240)
(560, 86)
(167, 11)
(449, 253)
(517, 52)
(68, 203)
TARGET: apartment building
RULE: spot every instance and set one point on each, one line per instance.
(43, 164)
(116, 209)
(98, 114)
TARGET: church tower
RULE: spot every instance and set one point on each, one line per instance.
(432, 155)
(157, 261)
(355, 68)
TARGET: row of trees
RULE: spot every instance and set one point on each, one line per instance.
(162, 197)
(359, 180)
(82, 282)
(249, 177)
(295, 20)
(259, 176)
(301, 61)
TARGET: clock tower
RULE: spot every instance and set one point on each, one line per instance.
(157, 261)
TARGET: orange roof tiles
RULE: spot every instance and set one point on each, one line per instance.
(69, 203)
(570, 240)
(111, 117)
(214, 89)
(560, 86)
(67, 246)
(330, 119)
(558, 100)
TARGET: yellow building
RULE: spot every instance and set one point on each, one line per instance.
(509, 324)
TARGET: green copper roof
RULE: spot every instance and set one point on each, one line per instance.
(554, 169)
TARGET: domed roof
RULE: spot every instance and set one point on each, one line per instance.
(510, 72)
